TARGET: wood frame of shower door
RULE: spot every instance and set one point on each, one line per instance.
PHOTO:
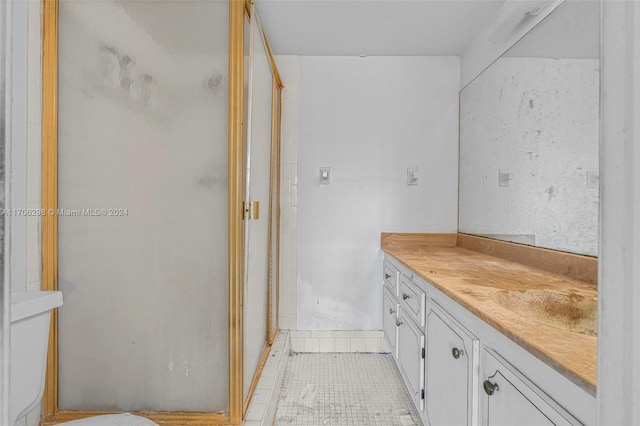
(51, 414)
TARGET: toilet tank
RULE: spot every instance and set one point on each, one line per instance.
(30, 319)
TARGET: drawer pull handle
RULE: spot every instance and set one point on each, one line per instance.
(392, 311)
(457, 353)
(387, 276)
(405, 296)
(398, 323)
(490, 388)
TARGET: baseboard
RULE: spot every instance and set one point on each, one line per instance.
(315, 341)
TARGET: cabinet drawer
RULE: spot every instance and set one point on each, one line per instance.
(412, 299)
(389, 318)
(390, 276)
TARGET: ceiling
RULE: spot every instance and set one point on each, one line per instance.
(374, 28)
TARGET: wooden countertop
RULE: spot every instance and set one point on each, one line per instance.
(470, 277)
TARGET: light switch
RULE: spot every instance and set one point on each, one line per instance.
(504, 176)
(412, 176)
(325, 175)
(593, 179)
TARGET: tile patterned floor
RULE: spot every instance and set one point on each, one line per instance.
(344, 389)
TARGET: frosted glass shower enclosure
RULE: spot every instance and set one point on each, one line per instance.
(169, 283)
(261, 183)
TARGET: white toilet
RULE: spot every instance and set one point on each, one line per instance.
(30, 315)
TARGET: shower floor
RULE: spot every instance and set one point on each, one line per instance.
(344, 389)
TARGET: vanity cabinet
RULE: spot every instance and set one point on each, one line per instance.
(403, 309)
(452, 361)
(455, 366)
(509, 398)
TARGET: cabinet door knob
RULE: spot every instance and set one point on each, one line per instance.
(398, 323)
(490, 388)
(392, 311)
(405, 296)
(387, 276)
(457, 353)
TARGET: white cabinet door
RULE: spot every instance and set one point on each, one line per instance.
(452, 358)
(411, 358)
(508, 398)
(389, 318)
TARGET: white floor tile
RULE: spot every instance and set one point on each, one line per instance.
(344, 389)
(256, 412)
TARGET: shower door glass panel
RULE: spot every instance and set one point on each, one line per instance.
(142, 179)
(258, 185)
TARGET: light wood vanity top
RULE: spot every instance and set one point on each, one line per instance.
(474, 279)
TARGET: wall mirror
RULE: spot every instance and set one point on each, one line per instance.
(529, 135)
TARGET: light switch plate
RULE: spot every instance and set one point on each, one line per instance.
(593, 179)
(412, 176)
(325, 175)
(504, 176)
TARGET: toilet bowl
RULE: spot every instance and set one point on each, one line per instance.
(125, 419)
(30, 319)
(30, 314)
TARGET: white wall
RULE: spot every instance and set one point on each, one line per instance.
(26, 159)
(34, 146)
(369, 119)
(16, 149)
